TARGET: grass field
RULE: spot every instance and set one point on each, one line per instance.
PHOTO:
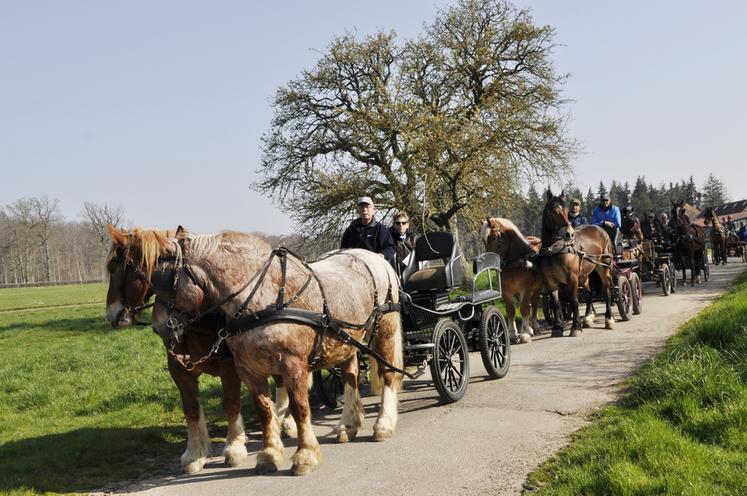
(82, 406)
(682, 427)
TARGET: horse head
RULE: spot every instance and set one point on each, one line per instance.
(129, 264)
(555, 223)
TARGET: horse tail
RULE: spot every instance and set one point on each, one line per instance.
(392, 323)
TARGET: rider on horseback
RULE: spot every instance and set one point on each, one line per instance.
(607, 216)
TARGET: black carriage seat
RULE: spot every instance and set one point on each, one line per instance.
(437, 245)
(484, 262)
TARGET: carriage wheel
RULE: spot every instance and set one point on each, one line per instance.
(666, 280)
(328, 386)
(624, 297)
(637, 288)
(450, 362)
(495, 345)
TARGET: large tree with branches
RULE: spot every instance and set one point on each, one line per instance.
(443, 125)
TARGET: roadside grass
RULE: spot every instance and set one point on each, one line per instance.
(52, 296)
(682, 426)
(85, 407)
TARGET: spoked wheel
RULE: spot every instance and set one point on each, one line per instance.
(637, 289)
(495, 345)
(624, 297)
(666, 280)
(450, 363)
(328, 386)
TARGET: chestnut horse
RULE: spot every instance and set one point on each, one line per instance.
(719, 236)
(569, 257)
(130, 264)
(689, 245)
(518, 279)
(288, 319)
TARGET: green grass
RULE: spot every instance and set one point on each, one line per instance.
(52, 296)
(83, 406)
(681, 428)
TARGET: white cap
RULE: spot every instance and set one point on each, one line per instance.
(364, 199)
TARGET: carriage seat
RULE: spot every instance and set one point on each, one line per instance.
(437, 245)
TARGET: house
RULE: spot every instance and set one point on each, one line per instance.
(737, 210)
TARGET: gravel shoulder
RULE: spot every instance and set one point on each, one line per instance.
(488, 442)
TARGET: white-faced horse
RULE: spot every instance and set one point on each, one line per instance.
(287, 319)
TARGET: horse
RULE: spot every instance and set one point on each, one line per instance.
(518, 279)
(130, 263)
(719, 236)
(346, 295)
(569, 257)
(690, 242)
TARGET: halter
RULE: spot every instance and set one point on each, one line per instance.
(128, 263)
(244, 320)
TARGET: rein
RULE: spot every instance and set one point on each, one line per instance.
(242, 320)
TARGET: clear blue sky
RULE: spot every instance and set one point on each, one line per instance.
(159, 106)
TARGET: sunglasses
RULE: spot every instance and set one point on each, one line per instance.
(401, 223)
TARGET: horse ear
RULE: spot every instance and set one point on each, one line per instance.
(163, 242)
(119, 237)
(548, 195)
(562, 194)
(181, 233)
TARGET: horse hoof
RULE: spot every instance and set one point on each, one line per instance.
(195, 466)
(575, 333)
(305, 461)
(265, 468)
(525, 338)
(609, 324)
(235, 453)
(557, 333)
(345, 434)
(589, 320)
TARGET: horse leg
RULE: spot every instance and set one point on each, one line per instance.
(557, 327)
(235, 448)
(589, 315)
(576, 322)
(526, 329)
(536, 295)
(508, 299)
(198, 440)
(272, 453)
(287, 424)
(352, 409)
(383, 380)
(307, 455)
(605, 275)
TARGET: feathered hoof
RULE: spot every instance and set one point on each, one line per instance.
(345, 434)
(609, 324)
(267, 461)
(305, 461)
(288, 428)
(525, 338)
(588, 320)
(194, 466)
(235, 453)
(382, 430)
(576, 333)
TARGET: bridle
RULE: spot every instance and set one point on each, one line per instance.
(127, 263)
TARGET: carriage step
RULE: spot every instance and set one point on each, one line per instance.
(450, 307)
(423, 346)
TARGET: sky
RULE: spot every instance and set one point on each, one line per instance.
(159, 106)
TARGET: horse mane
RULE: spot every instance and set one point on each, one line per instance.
(149, 246)
(205, 245)
(509, 228)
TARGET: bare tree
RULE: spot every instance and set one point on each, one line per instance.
(98, 217)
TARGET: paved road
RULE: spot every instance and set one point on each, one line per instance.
(491, 440)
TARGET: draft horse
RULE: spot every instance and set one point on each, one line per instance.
(690, 243)
(518, 279)
(288, 318)
(570, 257)
(719, 236)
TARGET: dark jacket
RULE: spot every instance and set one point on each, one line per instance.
(403, 245)
(578, 220)
(652, 229)
(373, 237)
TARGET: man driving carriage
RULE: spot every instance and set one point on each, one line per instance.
(368, 233)
(653, 229)
(607, 216)
(575, 216)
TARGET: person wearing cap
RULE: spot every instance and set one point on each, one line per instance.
(607, 216)
(652, 228)
(368, 233)
(404, 238)
(629, 221)
(574, 214)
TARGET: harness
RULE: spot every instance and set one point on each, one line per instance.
(127, 263)
(244, 319)
(562, 247)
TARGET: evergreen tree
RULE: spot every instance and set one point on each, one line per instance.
(533, 212)
(589, 203)
(625, 194)
(714, 192)
(601, 190)
(641, 197)
(692, 195)
(615, 189)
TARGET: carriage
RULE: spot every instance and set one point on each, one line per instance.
(441, 323)
(657, 265)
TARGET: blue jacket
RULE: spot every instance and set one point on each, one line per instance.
(373, 237)
(600, 215)
(578, 220)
